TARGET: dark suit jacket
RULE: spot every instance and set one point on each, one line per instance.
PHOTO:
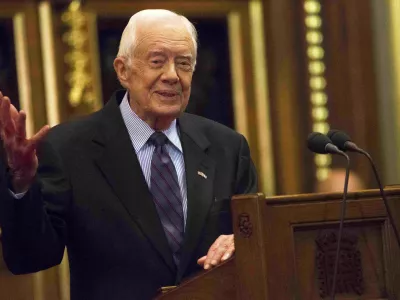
(90, 195)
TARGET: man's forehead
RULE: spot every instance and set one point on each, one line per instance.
(174, 30)
(163, 38)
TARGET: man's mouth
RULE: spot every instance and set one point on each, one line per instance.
(167, 93)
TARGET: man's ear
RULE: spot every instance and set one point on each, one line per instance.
(122, 70)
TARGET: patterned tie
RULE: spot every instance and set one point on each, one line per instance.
(166, 193)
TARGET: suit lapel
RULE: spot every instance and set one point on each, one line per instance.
(199, 188)
(120, 166)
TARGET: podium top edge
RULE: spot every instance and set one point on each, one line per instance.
(353, 195)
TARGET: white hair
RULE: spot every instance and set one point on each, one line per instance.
(128, 39)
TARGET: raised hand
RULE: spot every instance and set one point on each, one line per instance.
(20, 151)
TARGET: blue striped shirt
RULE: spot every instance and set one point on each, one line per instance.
(140, 132)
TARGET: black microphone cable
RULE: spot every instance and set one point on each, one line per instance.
(343, 142)
(320, 143)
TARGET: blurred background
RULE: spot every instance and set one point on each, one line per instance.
(274, 70)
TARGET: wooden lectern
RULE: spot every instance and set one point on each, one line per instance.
(285, 249)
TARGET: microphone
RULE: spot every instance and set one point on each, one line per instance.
(343, 141)
(320, 143)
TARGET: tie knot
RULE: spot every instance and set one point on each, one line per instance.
(158, 139)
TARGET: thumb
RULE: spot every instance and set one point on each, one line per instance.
(201, 260)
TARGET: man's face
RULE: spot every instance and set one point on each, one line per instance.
(160, 72)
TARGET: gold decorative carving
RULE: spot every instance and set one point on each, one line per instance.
(77, 58)
(317, 83)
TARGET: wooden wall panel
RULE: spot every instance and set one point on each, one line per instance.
(350, 76)
(351, 82)
(288, 95)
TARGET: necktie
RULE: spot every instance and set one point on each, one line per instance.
(166, 193)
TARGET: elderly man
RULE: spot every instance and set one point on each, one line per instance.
(138, 191)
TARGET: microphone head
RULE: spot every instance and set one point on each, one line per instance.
(317, 142)
(339, 139)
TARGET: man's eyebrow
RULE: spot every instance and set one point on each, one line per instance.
(155, 53)
(187, 56)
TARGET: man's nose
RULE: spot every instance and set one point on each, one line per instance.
(170, 75)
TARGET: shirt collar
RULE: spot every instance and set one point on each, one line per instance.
(139, 131)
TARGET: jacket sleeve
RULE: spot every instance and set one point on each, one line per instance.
(246, 179)
(34, 227)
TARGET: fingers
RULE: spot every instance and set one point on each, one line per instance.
(4, 109)
(7, 124)
(1, 101)
(201, 260)
(221, 250)
(1, 98)
(229, 252)
(21, 126)
(38, 137)
(13, 111)
(211, 252)
(20, 151)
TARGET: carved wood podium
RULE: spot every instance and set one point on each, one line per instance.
(285, 249)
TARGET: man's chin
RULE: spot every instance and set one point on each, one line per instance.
(169, 116)
(170, 111)
(164, 119)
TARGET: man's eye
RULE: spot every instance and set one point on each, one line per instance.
(185, 65)
(156, 61)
